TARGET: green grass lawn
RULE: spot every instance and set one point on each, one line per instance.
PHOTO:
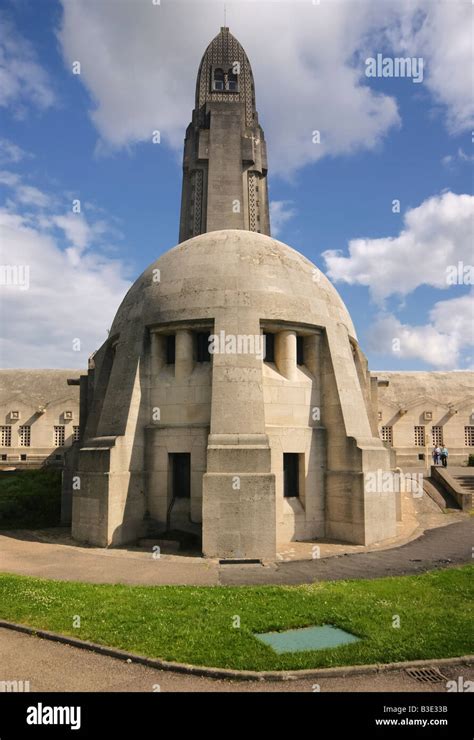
(195, 624)
(30, 499)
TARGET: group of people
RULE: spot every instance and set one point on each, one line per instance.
(440, 454)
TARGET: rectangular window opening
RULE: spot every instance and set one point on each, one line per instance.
(180, 463)
(291, 470)
(269, 340)
(24, 434)
(59, 436)
(170, 349)
(387, 435)
(419, 436)
(437, 435)
(469, 436)
(5, 436)
(202, 346)
(300, 350)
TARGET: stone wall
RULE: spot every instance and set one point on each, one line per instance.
(41, 400)
(427, 400)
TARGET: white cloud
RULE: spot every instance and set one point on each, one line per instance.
(436, 234)
(438, 343)
(73, 292)
(23, 81)
(31, 196)
(27, 195)
(80, 233)
(441, 32)
(450, 160)
(465, 157)
(11, 153)
(281, 211)
(10, 179)
(140, 62)
(76, 229)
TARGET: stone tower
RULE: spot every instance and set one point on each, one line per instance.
(225, 158)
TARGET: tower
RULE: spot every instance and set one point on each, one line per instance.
(225, 158)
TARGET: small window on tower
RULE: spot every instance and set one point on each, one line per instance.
(218, 79)
(232, 81)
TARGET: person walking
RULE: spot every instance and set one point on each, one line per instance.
(444, 456)
(437, 454)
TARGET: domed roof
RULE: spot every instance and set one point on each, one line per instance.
(223, 273)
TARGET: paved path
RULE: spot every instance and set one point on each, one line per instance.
(436, 548)
(24, 554)
(47, 666)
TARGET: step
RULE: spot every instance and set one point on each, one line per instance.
(466, 481)
(167, 547)
(437, 493)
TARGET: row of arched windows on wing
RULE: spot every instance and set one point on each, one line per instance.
(225, 80)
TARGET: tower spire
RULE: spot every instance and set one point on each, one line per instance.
(225, 158)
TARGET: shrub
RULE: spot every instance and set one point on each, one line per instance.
(30, 499)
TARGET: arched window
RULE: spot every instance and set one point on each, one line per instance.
(218, 79)
(232, 81)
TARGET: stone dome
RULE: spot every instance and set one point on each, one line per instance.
(236, 271)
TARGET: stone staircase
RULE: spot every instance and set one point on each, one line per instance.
(451, 487)
(440, 495)
(465, 481)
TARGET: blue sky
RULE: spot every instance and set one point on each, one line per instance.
(88, 136)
